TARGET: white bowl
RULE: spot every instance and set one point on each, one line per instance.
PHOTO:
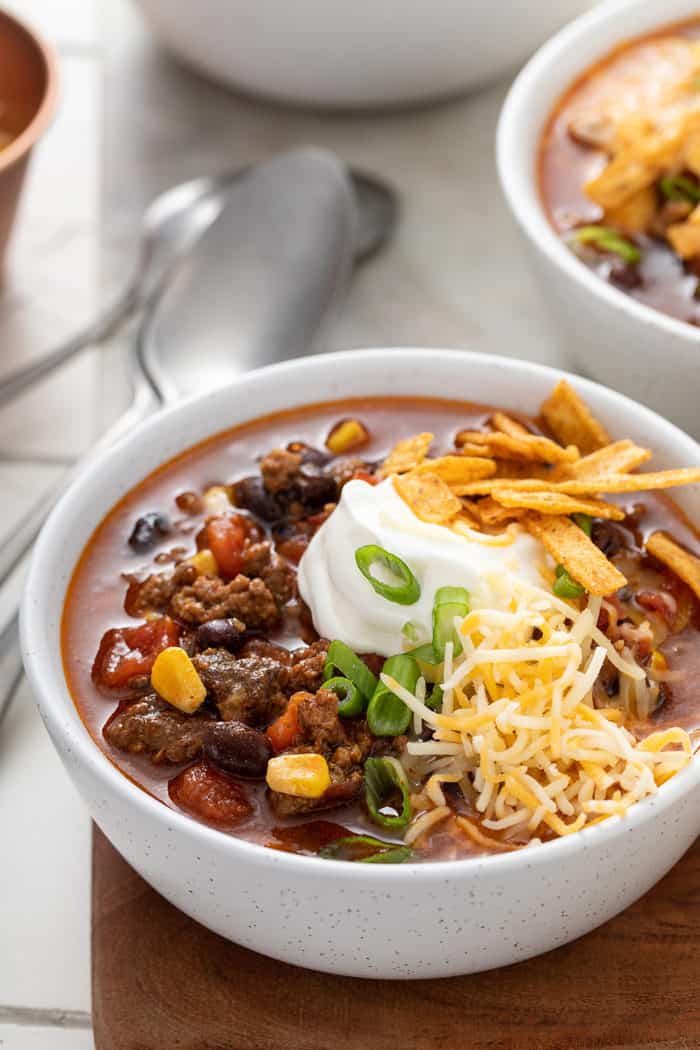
(366, 53)
(606, 333)
(429, 920)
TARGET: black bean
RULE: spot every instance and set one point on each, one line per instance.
(148, 530)
(608, 537)
(250, 494)
(309, 454)
(237, 748)
(222, 634)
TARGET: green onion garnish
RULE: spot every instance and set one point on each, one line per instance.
(406, 589)
(585, 522)
(449, 603)
(608, 240)
(386, 788)
(341, 658)
(680, 188)
(350, 700)
(565, 586)
(364, 849)
(387, 715)
(434, 701)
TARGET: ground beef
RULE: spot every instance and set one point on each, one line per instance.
(344, 788)
(149, 726)
(320, 728)
(263, 647)
(306, 672)
(260, 559)
(249, 690)
(155, 593)
(279, 469)
(210, 598)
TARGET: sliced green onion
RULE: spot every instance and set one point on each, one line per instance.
(680, 188)
(449, 603)
(608, 240)
(364, 849)
(387, 715)
(434, 701)
(430, 668)
(350, 701)
(341, 658)
(386, 788)
(565, 586)
(585, 522)
(406, 591)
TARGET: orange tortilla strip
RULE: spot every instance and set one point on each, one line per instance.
(662, 479)
(570, 547)
(493, 514)
(457, 469)
(571, 421)
(531, 447)
(676, 558)
(406, 455)
(618, 458)
(429, 497)
(558, 503)
(500, 421)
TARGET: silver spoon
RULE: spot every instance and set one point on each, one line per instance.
(171, 225)
(270, 271)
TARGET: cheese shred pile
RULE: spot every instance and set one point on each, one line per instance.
(518, 731)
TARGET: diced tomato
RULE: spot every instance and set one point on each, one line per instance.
(225, 539)
(284, 730)
(126, 652)
(364, 475)
(210, 795)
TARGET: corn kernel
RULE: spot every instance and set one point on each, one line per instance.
(204, 562)
(304, 776)
(217, 499)
(174, 677)
(658, 661)
(347, 435)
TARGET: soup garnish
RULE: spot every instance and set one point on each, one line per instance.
(620, 169)
(455, 653)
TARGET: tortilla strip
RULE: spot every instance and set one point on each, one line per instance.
(531, 447)
(456, 469)
(618, 458)
(571, 421)
(500, 421)
(662, 479)
(492, 514)
(570, 547)
(428, 497)
(558, 503)
(406, 455)
(676, 558)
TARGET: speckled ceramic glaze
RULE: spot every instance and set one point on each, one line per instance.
(428, 920)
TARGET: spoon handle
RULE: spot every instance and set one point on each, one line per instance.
(96, 332)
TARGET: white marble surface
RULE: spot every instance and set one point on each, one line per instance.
(454, 276)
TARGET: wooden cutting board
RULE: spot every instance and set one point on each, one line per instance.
(161, 982)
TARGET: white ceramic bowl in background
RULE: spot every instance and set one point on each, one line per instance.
(606, 333)
(412, 920)
(354, 54)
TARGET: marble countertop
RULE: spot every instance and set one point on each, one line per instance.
(132, 123)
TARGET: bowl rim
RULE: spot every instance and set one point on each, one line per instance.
(35, 647)
(517, 170)
(25, 141)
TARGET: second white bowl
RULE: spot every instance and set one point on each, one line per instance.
(606, 333)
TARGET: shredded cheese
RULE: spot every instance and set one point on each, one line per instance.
(520, 727)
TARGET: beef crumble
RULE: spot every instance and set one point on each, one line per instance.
(148, 726)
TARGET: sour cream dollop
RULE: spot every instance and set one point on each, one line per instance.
(344, 604)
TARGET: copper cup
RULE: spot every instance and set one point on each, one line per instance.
(28, 90)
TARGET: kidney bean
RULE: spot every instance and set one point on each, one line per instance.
(222, 634)
(237, 748)
(147, 531)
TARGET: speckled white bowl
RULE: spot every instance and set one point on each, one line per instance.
(606, 332)
(427, 920)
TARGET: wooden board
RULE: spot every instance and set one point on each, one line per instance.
(162, 982)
